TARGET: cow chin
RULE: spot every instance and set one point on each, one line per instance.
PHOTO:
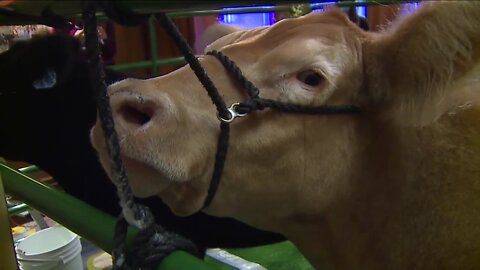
(144, 180)
(184, 198)
(181, 191)
(183, 194)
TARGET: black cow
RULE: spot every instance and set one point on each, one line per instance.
(46, 112)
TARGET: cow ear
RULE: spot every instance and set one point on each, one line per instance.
(427, 64)
(212, 33)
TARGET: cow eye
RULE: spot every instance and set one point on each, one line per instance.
(310, 77)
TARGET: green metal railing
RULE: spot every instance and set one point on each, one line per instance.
(17, 209)
(156, 6)
(146, 64)
(178, 8)
(30, 169)
(155, 63)
(153, 44)
(81, 218)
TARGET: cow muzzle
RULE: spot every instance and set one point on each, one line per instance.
(140, 120)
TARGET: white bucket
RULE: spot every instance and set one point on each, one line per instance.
(54, 248)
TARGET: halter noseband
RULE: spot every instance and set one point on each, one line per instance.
(254, 102)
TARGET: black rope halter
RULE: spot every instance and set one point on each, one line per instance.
(254, 103)
(227, 114)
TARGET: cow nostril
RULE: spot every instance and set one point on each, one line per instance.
(135, 115)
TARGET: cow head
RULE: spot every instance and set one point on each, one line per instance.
(289, 172)
(168, 126)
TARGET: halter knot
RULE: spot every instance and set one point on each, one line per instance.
(251, 104)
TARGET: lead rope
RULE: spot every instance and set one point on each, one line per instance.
(152, 243)
(223, 112)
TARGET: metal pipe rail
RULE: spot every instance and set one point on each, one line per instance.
(72, 8)
(17, 209)
(81, 218)
(174, 9)
(146, 64)
(31, 6)
(155, 63)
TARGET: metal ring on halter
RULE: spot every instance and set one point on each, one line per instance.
(233, 114)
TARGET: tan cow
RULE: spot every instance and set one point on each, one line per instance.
(396, 186)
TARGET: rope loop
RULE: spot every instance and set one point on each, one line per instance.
(149, 247)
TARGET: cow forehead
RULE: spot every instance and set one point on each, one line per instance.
(327, 25)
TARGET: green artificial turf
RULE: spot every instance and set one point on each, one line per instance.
(279, 256)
